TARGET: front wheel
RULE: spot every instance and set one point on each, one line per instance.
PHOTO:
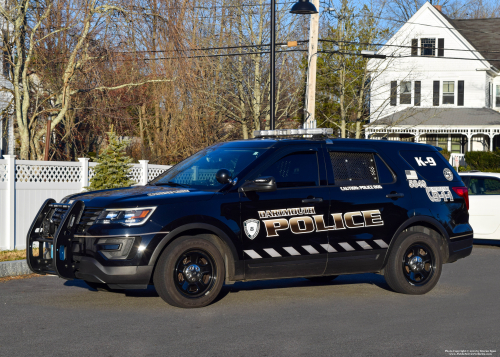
(190, 273)
(414, 266)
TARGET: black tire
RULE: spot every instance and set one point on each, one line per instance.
(415, 263)
(322, 279)
(190, 272)
(98, 286)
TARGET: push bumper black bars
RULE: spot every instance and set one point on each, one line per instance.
(55, 254)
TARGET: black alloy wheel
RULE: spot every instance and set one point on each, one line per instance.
(418, 264)
(414, 264)
(195, 273)
(190, 272)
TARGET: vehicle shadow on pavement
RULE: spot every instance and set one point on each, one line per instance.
(367, 278)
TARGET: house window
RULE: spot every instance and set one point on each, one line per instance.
(497, 101)
(448, 92)
(405, 93)
(428, 47)
(456, 144)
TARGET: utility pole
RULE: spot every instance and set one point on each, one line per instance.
(312, 59)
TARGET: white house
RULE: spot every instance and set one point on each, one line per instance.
(440, 83)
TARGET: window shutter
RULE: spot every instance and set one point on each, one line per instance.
(414, 47)
(394, 93)
(435, 94)
(440, 47)
(418, 91)
(460, 101)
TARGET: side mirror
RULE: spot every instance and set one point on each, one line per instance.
(223, 176)
(262, 184)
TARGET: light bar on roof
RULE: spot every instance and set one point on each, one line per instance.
(292, 132)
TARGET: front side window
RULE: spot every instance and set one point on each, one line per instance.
(428, 47)
(299, 169)
(198, 171)
(405, 96)
(484, 186)
(448, 92)
(497, 101)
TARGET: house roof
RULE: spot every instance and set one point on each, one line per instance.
(482, 34)
(440, 116)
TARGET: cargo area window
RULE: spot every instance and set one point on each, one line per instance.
(354, 168)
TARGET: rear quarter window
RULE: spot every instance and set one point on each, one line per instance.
(431, 165)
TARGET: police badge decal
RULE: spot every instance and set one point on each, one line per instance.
(251, 227)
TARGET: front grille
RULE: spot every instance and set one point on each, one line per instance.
(88, 217)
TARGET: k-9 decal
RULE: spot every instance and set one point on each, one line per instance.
(428, 161)
(306, 224)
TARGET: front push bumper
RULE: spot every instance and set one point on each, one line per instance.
(56, 251)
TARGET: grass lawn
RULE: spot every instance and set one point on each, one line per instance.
(9, 255)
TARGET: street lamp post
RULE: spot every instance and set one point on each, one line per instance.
(272, 106)
(304, 7)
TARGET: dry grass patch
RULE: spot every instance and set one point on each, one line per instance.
(10, 255)
(18, 277)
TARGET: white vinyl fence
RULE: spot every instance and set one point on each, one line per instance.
(25, 185)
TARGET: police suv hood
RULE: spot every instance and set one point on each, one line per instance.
(139, 196)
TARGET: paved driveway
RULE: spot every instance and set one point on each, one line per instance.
(355, 315)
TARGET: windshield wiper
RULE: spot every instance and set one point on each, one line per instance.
(171, 183)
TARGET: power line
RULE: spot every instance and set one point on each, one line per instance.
(405, 46)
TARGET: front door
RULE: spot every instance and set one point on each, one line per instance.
(279, 229)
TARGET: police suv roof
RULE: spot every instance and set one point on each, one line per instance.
(285, 141)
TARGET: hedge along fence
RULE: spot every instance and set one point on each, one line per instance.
(488, 161)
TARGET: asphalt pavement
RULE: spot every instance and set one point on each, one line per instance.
(355, 315)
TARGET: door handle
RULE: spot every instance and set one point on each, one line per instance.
(312, 200)
(395, 195)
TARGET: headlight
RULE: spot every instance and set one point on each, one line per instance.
(126, 216)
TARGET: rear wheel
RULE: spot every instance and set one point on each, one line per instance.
(322, 279)
(190, 273)
(414, 266)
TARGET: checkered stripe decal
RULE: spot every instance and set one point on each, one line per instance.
(317, 249)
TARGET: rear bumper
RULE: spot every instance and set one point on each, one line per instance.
(124, 277)
(460, 249)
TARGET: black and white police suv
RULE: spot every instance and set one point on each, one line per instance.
(289, 203)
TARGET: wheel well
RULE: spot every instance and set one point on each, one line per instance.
(226, 253)
(429, 229)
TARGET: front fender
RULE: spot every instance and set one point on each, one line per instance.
(234, 266)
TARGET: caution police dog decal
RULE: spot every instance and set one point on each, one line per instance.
(305, 220)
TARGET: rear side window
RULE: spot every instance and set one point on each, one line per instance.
(431, 165)
(354, 168)
(483, 186)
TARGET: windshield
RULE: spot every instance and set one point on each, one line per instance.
(198, 171)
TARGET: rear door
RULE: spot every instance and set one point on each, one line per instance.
(484, 203)
(367, 204)
(279, 232)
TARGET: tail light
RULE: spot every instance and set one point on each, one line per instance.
(463, 192)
